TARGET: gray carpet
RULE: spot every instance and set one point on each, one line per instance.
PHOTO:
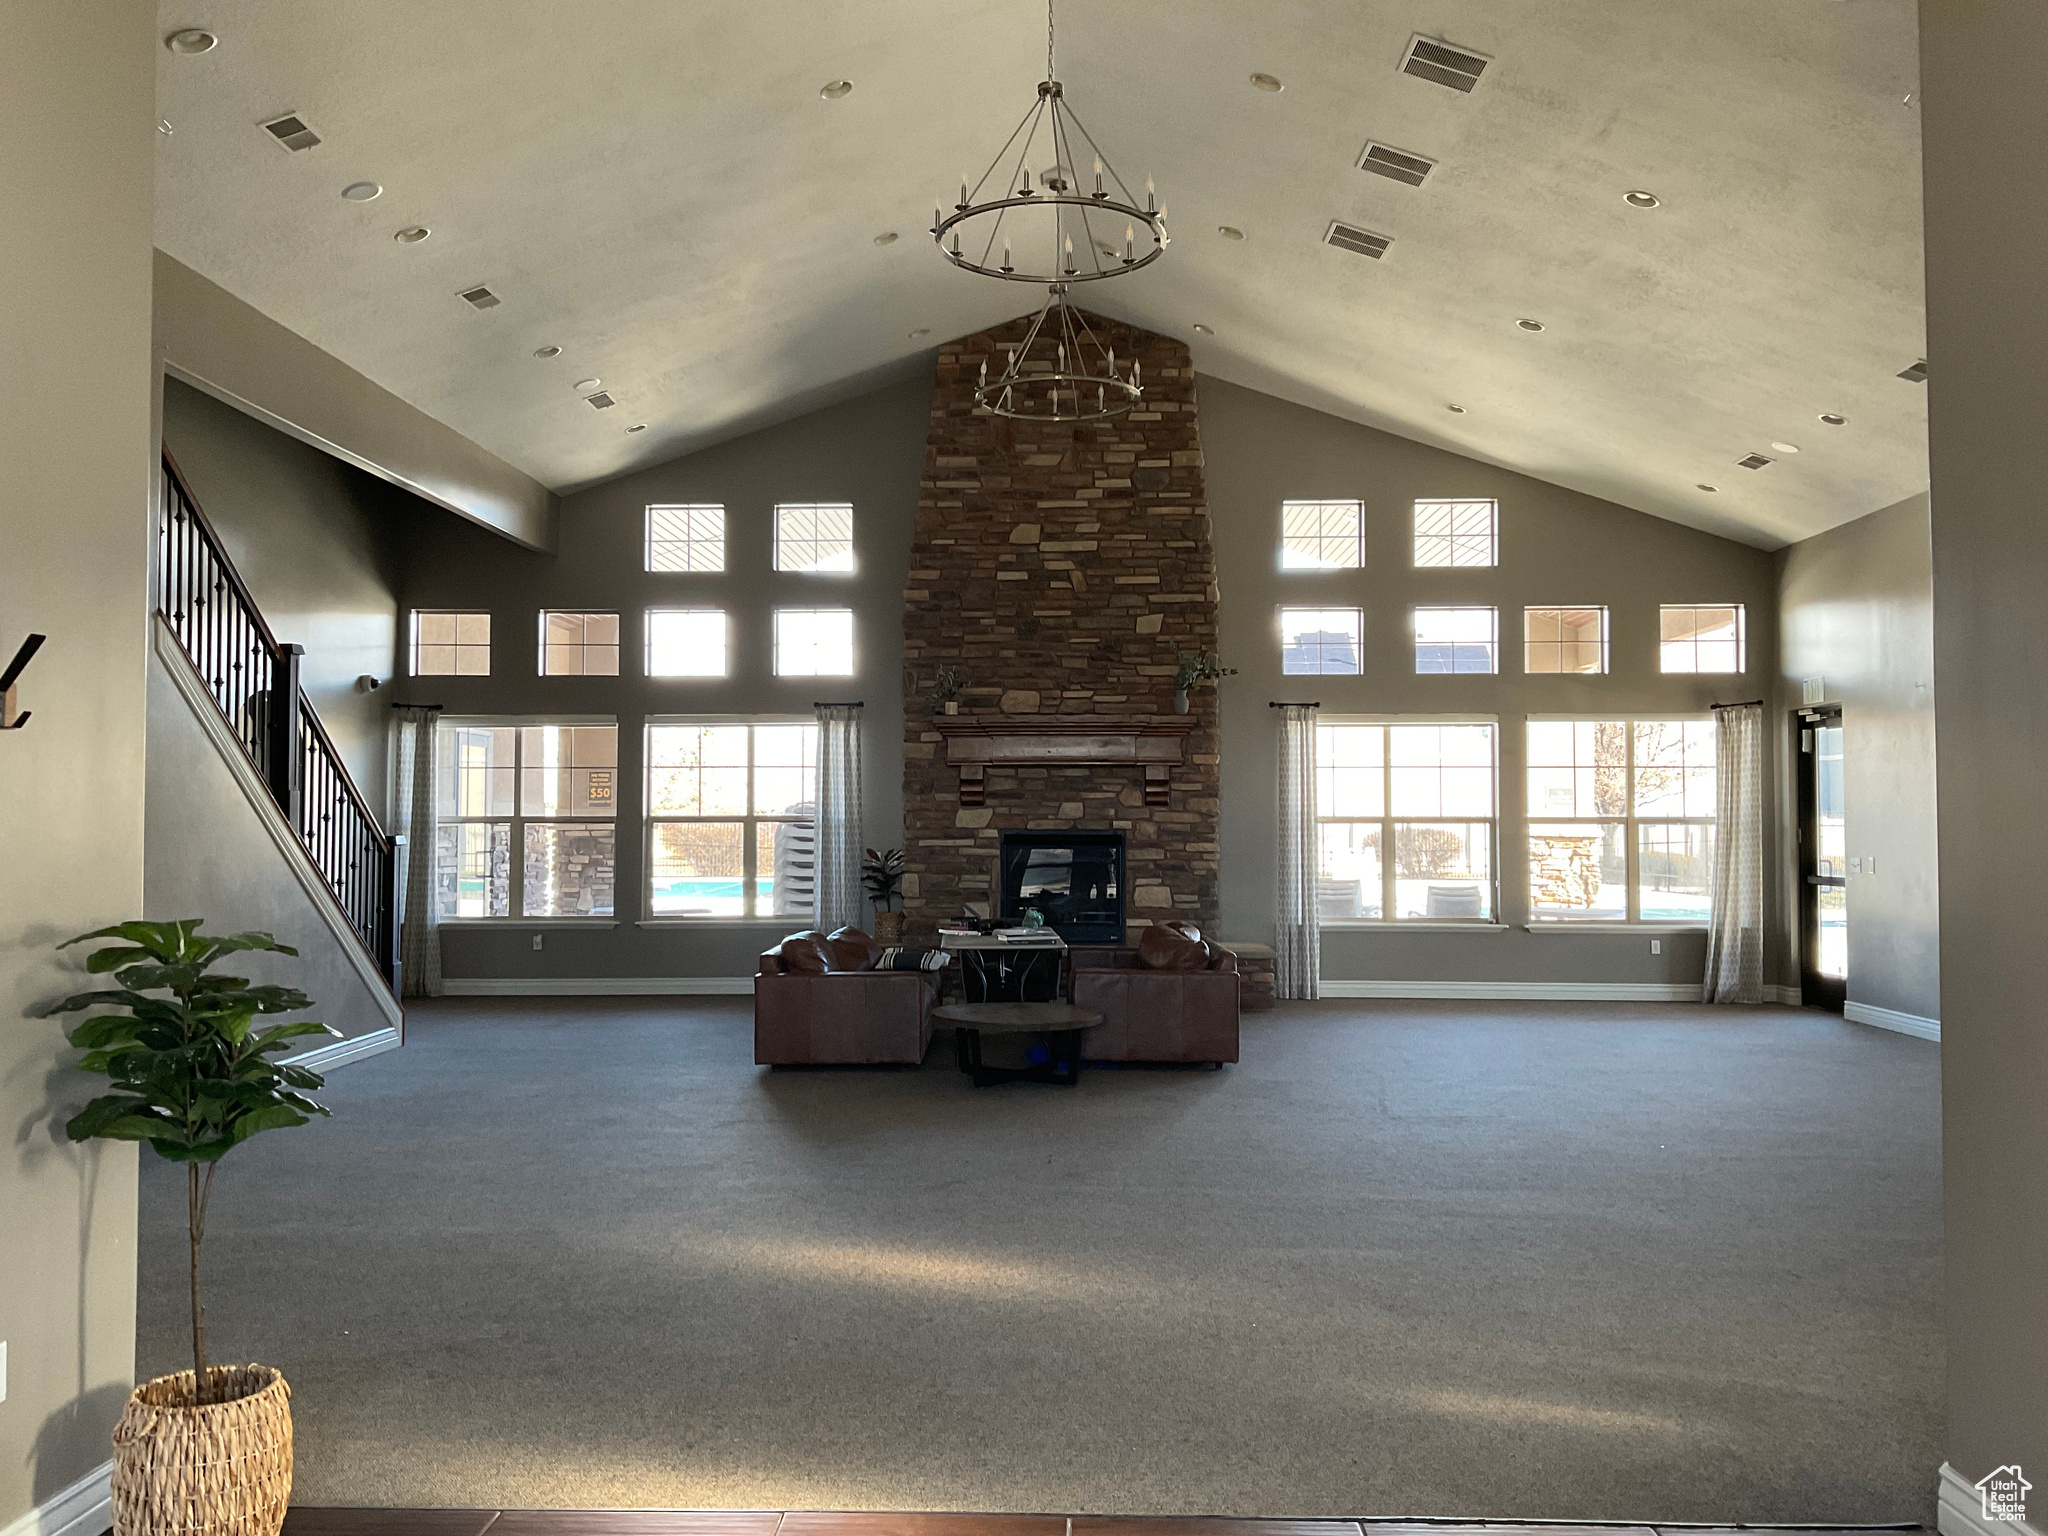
(1560, 1260)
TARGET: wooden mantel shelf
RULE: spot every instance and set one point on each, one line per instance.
(974, 743)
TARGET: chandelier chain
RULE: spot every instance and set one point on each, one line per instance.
(1049, 73)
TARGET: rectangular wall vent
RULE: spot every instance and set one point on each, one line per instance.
(291, 131)
(481, 297)
(1917, 374)
(1458, 68)
(1349, 237)
(1396, 164)
(602, 400)
(1755, 461)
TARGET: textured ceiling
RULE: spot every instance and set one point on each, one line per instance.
(658, 188)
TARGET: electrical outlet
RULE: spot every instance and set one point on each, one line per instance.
(1870, 863)
(1656, 946)
(536, 940)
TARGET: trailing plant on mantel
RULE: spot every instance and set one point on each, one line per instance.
(190, 1071)
(1194, 667)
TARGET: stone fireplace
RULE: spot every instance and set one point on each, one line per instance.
(1060, 570)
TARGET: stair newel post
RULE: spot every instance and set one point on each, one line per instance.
(281, 761)
(391, 916)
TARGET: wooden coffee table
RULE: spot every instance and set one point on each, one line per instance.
(1060, 1023)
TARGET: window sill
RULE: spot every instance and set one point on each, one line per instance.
(1409, 925)
(527, 922)
(776, 924)
(1570, 927)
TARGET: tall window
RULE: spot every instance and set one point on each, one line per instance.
(814, 642)
(1457, 533)
(527, 820)
(1698, 637)
(1621, 820)
(1564, 639)
(1456, 640)
(579, 644)
(1424, 790)
(451, 645)
(686, 642)
(816, 537)
(686, 538)
(1322, 641)
(1322, 535)
(729, 809)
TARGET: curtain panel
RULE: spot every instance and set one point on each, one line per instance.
(837, 827)
(1735, 925)
(1297, 943)
(419, 931)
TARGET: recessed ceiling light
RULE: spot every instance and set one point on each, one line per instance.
(1786, 447)
(1203, 330)
(1641, 199)
(583, 384)
(164, 127)
(1455, 410)
(1833, 420)
(544, 353)
(1229, 232)
(1267, 82)
(362, 191)
(412, 234)
(1530, 325)
(191, 40)
(1715, 489)
(832, 90)
(887, 237)
(922, 330)
(638, 426)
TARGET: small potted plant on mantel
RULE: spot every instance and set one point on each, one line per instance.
(946, 686)
(204, 1452)
(1194, 669)
(881, 871)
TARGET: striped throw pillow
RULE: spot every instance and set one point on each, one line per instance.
(902, 959)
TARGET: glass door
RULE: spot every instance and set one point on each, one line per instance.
(1823, 861)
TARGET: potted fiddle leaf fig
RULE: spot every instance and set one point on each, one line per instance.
(881, 871)
(204, 1452)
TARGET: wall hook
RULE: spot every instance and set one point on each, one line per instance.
(9, 720)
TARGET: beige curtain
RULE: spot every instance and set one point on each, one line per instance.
(1297, 940)
(1735, 926)
(419, 931)
(841, 902)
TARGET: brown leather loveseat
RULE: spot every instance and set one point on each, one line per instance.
(1172, 997)
(817, 1002)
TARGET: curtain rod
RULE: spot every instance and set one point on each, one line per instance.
(1745, 704)
(1294, 704)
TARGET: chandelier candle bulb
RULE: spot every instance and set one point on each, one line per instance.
(1151, 206)
(1098, 180)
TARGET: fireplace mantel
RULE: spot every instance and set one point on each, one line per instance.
(974, 743)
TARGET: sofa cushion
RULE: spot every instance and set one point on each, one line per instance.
(1167, 947)
(852, 950)
(805, 953)
(903, 959)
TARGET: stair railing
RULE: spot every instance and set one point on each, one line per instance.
(254, 680)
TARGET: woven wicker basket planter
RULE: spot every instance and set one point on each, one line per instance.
(224, 1469)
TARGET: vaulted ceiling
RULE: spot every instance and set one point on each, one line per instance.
(659, 189)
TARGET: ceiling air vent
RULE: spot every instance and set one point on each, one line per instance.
(602, 400)
(1917, 374)
(1349, 237)
(1457, 68)
(480, 297)
(1395, 164)
(1754, 461)
(291, 131)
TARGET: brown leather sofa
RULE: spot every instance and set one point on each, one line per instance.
(816, 1003)
(1173, 997)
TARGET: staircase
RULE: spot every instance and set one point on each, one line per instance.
(254, 681)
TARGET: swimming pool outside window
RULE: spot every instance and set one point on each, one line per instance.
(729, 807)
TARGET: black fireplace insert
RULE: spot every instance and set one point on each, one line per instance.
(1074, 879)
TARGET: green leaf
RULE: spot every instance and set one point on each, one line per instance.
(113, 959)
(161, 939)
(105, 1029)
(120, 1117)
(274, 1118)
(277, 1034)
(236, 941)
(94, 999)
(301, 1077)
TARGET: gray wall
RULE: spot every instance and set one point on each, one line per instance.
(1986, 135)
(868, 451)
(76, 91)
(1855, 609)
(312, 538)
(1557, 547)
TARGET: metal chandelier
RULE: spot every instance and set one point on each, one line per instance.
(1061, 371)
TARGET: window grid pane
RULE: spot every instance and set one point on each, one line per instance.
(1322, 641)
(816, 538)
(708, 855)
(568, 869)
(814, 642)
(686, 642)
(451, 645)
(1674, 860)
(1456, 533)
(1451, 640)
(1424, 790)
(579, 644)
(1578, 872)
(1564, 639)
(1702, 638)
(1322, 535)
(686, 538)
(554, 857)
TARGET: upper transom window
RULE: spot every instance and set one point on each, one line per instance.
(814, 537)
(686, 538)
(1700, 637)
(1457, 533)
(1322, 535)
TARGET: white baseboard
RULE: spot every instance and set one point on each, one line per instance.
(339, 1053)
(1892, 1019)
(86, 1508)
(1789, 997)
(597, 986)
(1959, 1510)
(1522, 991)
